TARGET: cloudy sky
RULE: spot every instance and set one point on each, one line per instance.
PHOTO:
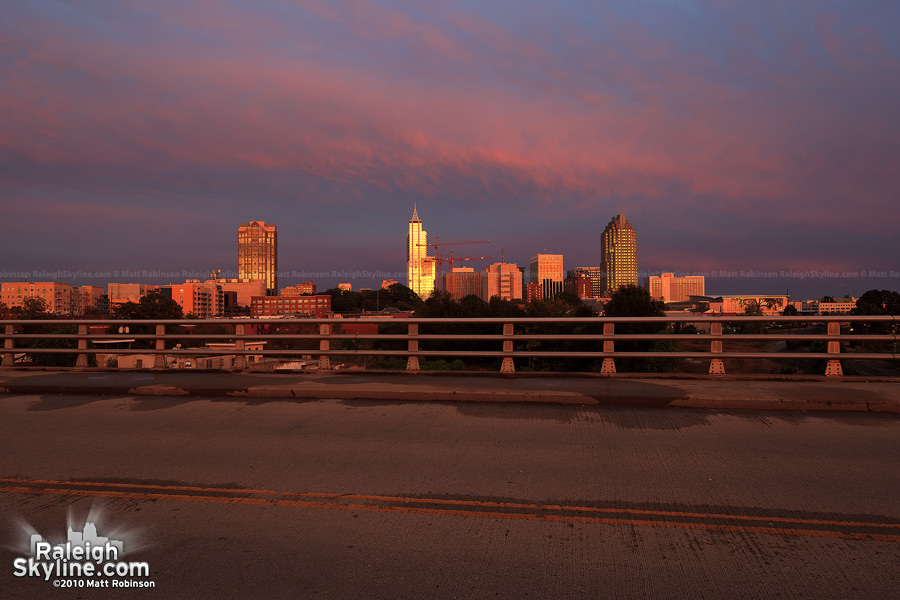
(756, 137)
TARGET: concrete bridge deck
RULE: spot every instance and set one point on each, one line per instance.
(728, 392)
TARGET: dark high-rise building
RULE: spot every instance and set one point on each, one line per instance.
(258, 254)
(585, 282)
(618, 255)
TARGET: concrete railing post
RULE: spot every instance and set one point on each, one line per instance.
(159, 361)
(324, 346)
(82, 360)
(833, 368)
(716, 366)
(609, 365)
(412, 363)
(240, 360)
(9, 357)
(508, 366)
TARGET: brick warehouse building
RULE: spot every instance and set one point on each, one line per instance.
(284, 306)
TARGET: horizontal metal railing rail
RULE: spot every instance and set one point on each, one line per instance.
(510, 341)
(475, 337)
(462, 320)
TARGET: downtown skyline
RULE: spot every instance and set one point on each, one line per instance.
(133, 138)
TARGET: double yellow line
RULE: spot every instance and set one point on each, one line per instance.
(826, 528)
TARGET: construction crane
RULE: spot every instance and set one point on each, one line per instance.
(450, 259)
(439, 260)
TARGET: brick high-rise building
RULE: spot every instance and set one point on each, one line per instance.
(578, 285)
(269, 306)
(464, 281)
(533, 291)
(585, 282)
(258, 254)
(618, 254)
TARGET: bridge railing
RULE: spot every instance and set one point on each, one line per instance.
(507, 339)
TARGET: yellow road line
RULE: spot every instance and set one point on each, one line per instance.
(171, 493)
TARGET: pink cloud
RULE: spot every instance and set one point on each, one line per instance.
(622, 131)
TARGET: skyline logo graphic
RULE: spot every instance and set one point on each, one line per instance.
(85, 559)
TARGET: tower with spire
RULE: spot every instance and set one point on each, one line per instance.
(419, 266)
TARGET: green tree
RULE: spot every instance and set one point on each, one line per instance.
(439, 304)
(634, 301)
(753, 309)
(664, 364)
(442, 305)
(195, 335)
(60, 359)
(344, 301)
(33, 309)
(876, 302)
(499, 308)
(237, 311)
(817, 367)
(277, 329)
(790, 311)
(400, 297)
(685, 328)
(151, 307)
(561, 305)
(395, 296)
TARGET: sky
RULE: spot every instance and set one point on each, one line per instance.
(757, 143)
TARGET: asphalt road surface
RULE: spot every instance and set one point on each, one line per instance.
(346, 499)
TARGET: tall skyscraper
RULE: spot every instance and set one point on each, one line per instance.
(258, 254)
(618, 254)
(547, 270)
(419, 266)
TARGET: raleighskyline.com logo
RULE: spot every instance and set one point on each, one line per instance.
(85, 560)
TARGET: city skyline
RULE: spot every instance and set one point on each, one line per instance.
(416, 236)
(736, 140)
